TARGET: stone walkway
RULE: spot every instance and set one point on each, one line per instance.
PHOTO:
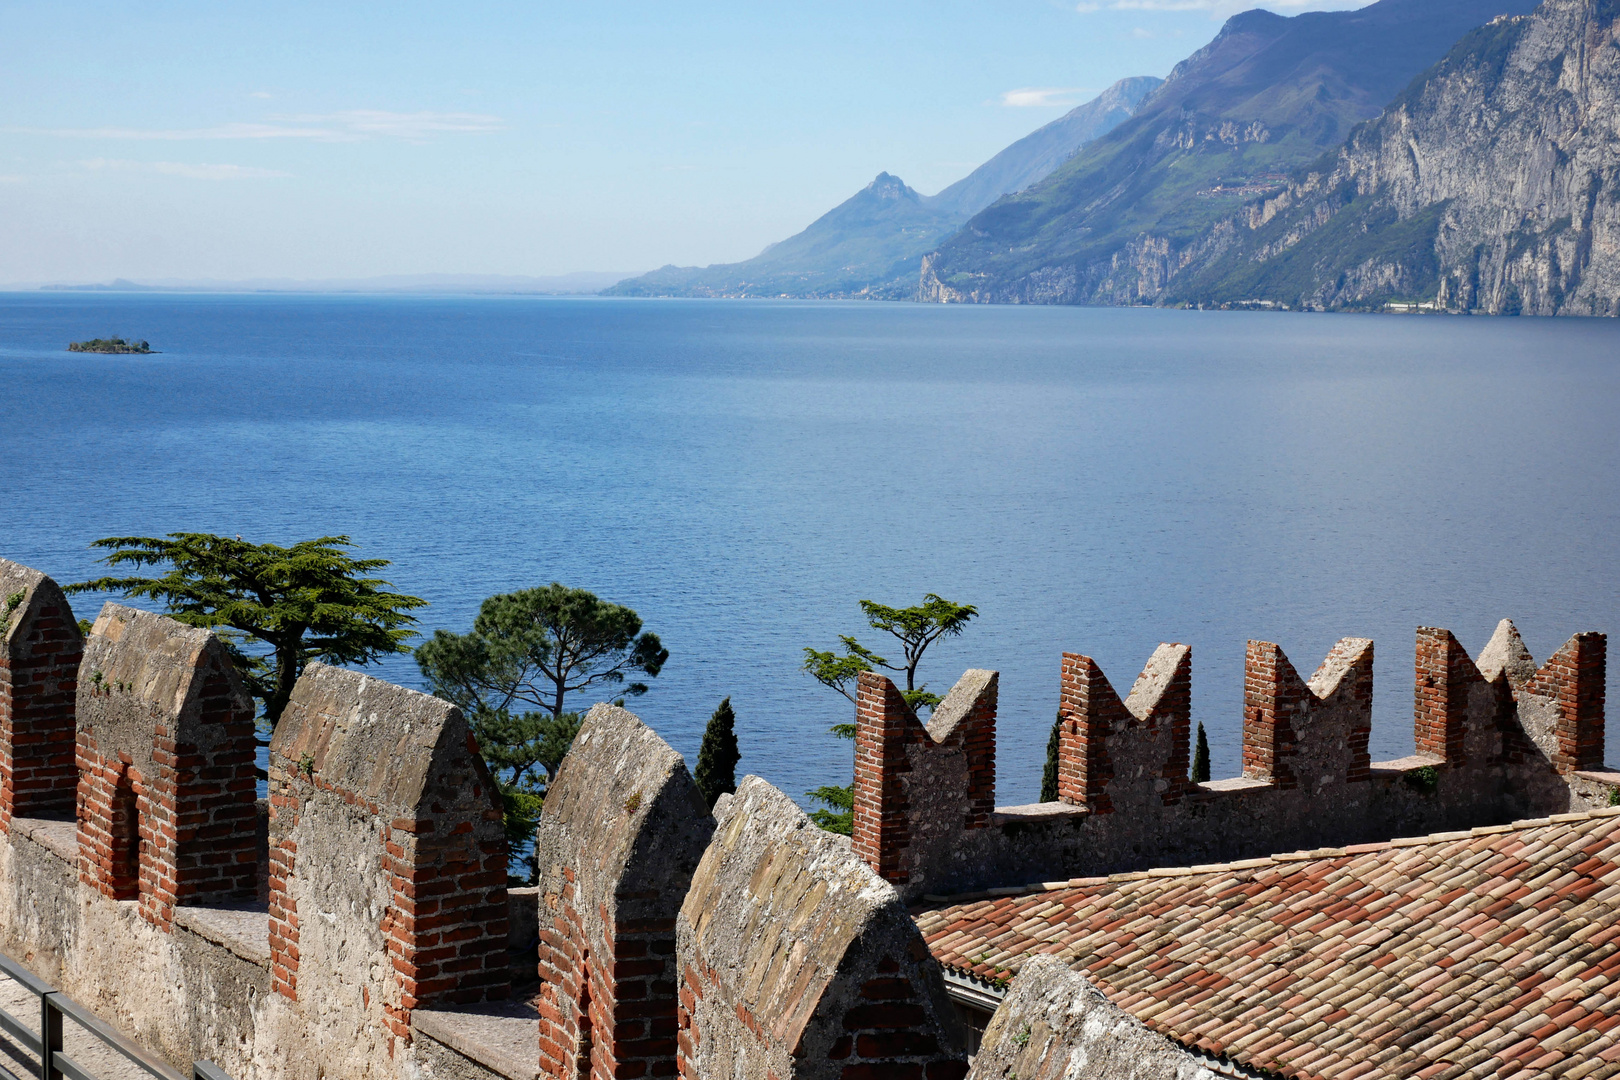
(100, 1060)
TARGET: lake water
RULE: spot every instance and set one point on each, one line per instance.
(741, 473)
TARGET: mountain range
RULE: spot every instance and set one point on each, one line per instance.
(872, 244)
(1457, 155)
(1233, 122)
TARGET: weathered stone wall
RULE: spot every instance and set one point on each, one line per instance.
(1054, 1025)
(623, 829)
(388, 860)
(40, 648)
(798, 961)
(165, 759)
(1498, 740)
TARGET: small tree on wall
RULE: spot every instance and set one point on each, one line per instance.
(916, 628)
(716, 772)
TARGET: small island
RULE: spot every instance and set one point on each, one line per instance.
(109, 345)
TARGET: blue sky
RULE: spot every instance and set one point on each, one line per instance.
(178, 140)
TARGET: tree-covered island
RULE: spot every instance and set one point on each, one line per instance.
(109, 345)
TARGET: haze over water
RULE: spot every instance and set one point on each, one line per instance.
(741, 473)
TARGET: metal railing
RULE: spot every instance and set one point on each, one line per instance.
(47, 1046)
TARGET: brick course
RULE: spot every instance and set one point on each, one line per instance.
(1497, 739)
(1318, 728)
(40, 650)
(1574, 678)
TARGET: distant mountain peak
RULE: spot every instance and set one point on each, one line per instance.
(888, 186)
(872, 243)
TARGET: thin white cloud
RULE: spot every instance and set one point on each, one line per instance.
(370, 123)
(1042, 97)
(185, 169)
(261, 94)
(354, 125)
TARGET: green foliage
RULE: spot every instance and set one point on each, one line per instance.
(537, 646)
(1200, 769)
(13, 602)
(1049, 773)
(523, 750)
(1614, 796)
(533, 648)
(310, 601)
(716, 772)
(520, 815)
(841, 672)
(915, 628)
(109, 345)
(837, 813)
(1426, 779)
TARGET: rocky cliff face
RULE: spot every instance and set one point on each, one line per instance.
(1139, 207)
(1492, 184)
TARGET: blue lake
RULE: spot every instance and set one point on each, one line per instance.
(741, 473)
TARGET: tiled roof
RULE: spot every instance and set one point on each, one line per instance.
(1491, 952)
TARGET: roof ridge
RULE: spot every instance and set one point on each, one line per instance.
(1273, 860)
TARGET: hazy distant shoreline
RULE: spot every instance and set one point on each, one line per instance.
(582, 283)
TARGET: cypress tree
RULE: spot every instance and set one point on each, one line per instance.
(716, 772)
(1200, 770)
(1049, 787)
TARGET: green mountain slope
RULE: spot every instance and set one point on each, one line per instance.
(1234, 121)
(872, 244)
(1492, 184)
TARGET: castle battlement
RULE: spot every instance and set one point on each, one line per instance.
(358, 922)
(1498, 739)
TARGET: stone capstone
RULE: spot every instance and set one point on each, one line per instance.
(1054, 1025)
(797, 960)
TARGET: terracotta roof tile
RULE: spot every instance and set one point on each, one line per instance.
(1489, 952)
